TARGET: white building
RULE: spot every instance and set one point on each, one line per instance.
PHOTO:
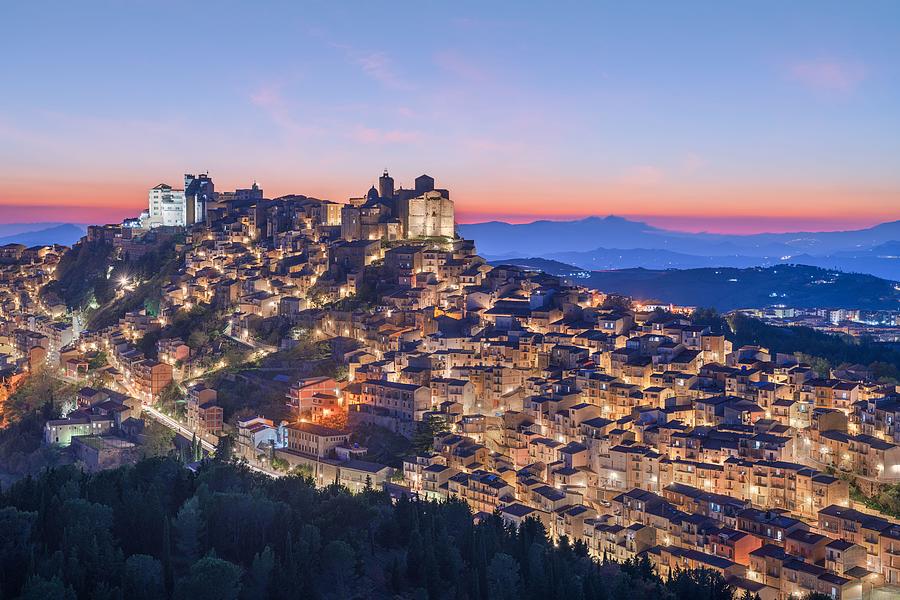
(166, 207)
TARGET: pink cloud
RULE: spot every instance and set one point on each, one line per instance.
(461, 67)
(406, 112)
(828, 75)
(379, 67)
(376, 64)
(268, 96)
(270, 99)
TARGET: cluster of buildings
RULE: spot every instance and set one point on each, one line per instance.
(170, 207)
(636, 431)
(252, 256)
(641, 433)
(385, 213)
(30, 331)
(103, 430)
(143, 377)
(879, 325)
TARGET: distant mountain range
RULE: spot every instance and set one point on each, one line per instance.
(40, 234)
(602, 243)
(799, 286)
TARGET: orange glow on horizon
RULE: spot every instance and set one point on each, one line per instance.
(747, 208)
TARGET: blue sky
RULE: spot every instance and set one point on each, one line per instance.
(751, 116)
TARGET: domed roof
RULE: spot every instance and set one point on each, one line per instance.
(372, 194)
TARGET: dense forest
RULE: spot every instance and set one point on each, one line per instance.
(157, 530)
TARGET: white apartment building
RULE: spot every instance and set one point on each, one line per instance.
(166, 207)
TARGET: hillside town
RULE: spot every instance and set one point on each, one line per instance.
(881, 325)
(365, 344)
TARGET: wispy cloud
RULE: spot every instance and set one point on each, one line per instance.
(379, 67)
(406, 112)
(828, 75)
(376, 64)
(454, 63)
(278, 106)
(271, 100)
(268, 96)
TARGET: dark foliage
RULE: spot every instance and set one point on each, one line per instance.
(81, 275)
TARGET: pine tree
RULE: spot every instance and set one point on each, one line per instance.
(415, 563)
(167, 554)
(260, 574)
(188, 528)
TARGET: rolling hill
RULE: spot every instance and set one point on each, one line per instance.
(799, 286)
(62, 233)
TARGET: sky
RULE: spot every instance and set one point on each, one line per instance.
(714, 116)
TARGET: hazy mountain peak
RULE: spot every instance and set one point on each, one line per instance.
(57, 233)
(612, 242)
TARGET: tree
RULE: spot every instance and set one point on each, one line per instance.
(171, 399)
(97, 361)
(317, 295)
(293, 541)
(709, 317)
(198, 339)
(888, 499)
(224, 448)
(338, 559)
(702, 584)
(148, 344)
(257, 585)
(434, 425)
(537, 574)
(885, 372)
(159, 440)
(196, 449)
(15, 547)
(188, 528)
(340, 372)
(39, 588)
(303, 471)
(819, 365)
(234, 356)
(143, 578)
(503, 577)
(616, 302)
(87, 541)
(414, 564)
(210, 578)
